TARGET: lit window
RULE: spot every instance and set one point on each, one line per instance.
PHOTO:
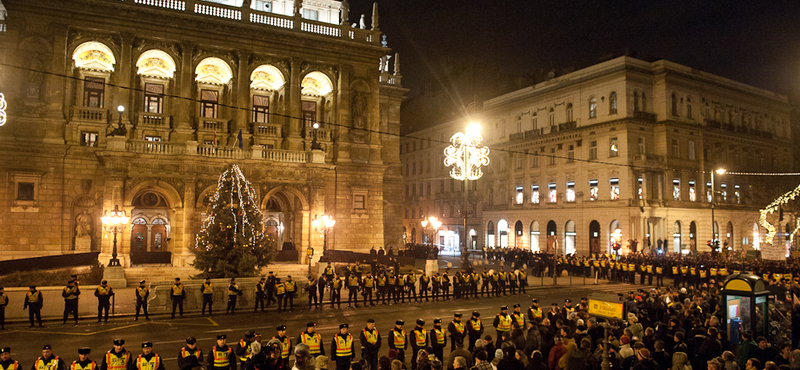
(93, 92)
(310, 14)
(614, 188)
(737, 193)
(708, 192)
(570, 191)
(593, 107)
(260, 109)
(535, 194)
(613, 147)
(89, 138)
(676, 189)
(552, 195)
(209, 99)
(639, 188)
(593, 190)
(724, 192)
(692, 191)
(153, 98)
(520, 197)
(308, 112)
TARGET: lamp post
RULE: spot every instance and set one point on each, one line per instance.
(323, 225)
(315, 145)
(466, 157)
(435, 224)
(114, 222)
(719, 171)
(617, 235)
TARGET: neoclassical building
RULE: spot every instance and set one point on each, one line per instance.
(198, 86)
(624, 144)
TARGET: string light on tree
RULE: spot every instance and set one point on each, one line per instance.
(774, 206)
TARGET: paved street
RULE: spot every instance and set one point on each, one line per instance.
(169, 335)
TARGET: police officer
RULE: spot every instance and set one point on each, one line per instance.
(424, 280)
(535, 312)
(177, 295)
(142, 293)
(70, 294)
(502, 323)
(311, 290)
(291, 290)
(353, 285)
(398, 341)
(321, 285)
(411, 286)
(336, 292)
(103, 294)
(270, 287)
(522, 278)
(438, 339)
(260, 294)
(191, 356)
(485, 278)
(221, 356)
(474, 329)
(457, 331)
(286, 344)
(33, 302)
(117, 358)
(312, 339)
(368, 284)
(342, 348)
(48, 361)
(568, 308)
(370, 344)
(243, 347)
(6, 362)
(518, 316)
(419, 340)
(233, 295)
(329, 272)
(148, 360)
(280, 292)
(436, 285)
(83, 362)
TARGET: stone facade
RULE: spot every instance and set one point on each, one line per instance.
(203, 85)
(624, 144)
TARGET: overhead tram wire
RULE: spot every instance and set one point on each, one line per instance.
(410, 136)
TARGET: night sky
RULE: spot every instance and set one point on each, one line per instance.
(755, 42)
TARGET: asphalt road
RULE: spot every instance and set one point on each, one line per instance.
(169, 335)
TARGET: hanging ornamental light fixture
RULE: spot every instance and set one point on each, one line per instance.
(465, 155)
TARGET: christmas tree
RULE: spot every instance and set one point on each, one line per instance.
(232, 242)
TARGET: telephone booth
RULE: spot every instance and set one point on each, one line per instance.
(745, 298)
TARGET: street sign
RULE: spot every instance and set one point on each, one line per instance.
(606, 305)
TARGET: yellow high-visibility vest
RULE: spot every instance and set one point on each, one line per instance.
(504, 323)
(52, 364)
(313, 341)
(115, 362)
(221, 358)
(344, 346)
(208, 288)
(143, 364)
(399, 338)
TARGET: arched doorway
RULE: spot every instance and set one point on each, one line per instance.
(518, 234)
(729, 236)
(405, 235)
(569, 237)
(676, 237)
(756, 237)
(288, 207)
(502, 229)
(150, 228)
(551, 236)
(693, 236)
(413, 235)
(490, 242)
(594, 237)
(612, 227)
(535, 236)
(273, 230)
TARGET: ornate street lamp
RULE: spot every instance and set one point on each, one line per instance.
(435, 224)
(466, 157)
(114, 222)
(714, 231)
(617, 235)
(323, 225)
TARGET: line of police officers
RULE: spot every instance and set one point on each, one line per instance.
(342, 351)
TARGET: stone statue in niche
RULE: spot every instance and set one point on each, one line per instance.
(359, 110)
(83, 232)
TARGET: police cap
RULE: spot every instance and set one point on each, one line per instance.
(249, 334)
(281, 328)
(147, 344)
(5, 350)
(119, 342)
(567, 301)
(343, 326)
(476, 314)
(311, 323)
(535, 300)
(437, 321)
(141, 282)
(458, 314)
(47, 346)
(222, 336)
(399, 322)
(420, 322)
(517, 305)
(84, 351)
(504, 308)
(370, 321)
(191, 340)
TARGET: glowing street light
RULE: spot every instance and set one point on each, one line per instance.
(114, 222)
(323, 225)
(466, 157)
(435, 224)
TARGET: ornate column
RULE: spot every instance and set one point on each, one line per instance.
(182, 254)
(242, 96)
(182, 109)
(341, 152)
(124, 75)
(293, 122)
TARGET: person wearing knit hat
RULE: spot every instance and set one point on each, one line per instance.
(370, 344)
(342, 348)
(474, 329)
(419, 340)
(438, 339)
(398, 341)
(190, 357)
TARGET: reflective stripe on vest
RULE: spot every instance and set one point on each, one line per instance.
(143, 364)
(246, 346)
(372, 337)
(234, 291)
(459, 326)
(75, 366)
(208, 288)
(675, 270)
(280, 288)
(368, 282)
(49, 365)
(476, 324)
(15, 366)
(537, 312)
(197, 353)
(221, 358)
(313, 341)
(177, 289)
(142, 291)
(440, 338)
(399, 339)
(421, 338)
(344, 346)
(289, 286)
(34, 298)
(103, 291)
(520, 319)
(504, 323)
(117, 362)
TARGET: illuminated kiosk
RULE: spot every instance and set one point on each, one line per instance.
(745, 297)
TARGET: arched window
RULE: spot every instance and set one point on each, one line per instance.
(612, 103)
(593, 107)
(569, 112)
(674, 105)
(689, 108)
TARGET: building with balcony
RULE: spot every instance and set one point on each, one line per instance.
(624, 144)
(203, 84)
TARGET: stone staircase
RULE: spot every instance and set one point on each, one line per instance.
(168, 273)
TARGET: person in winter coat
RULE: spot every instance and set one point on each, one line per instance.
(680, 361)
(581, 357)
(558, 350)
(645, 362)
(536, 361)
(661, 357)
